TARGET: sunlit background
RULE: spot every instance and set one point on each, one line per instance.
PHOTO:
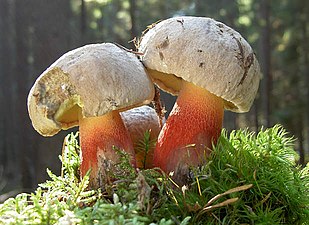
(34, 33)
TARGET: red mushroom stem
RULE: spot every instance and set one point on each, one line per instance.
(192, 127)
(98, 136)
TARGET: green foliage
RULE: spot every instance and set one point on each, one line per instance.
(249, 179)
(145, 145)
(65, 199)
(279, 192)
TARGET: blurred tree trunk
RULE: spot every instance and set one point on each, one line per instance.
(256, 105)
(306, 63)
(3, 71)
(231, 119)
(199, 8)
(39, 42)
(22, 71)
(50, 40)
(132, 12)
(164, 7)
(265, 60)
(9, 143)
(299, 133)
(109, 21)
(256, 116)
(83, 21)
(304, 10)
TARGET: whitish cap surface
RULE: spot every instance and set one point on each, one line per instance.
(92, 81)
(206, 53)
(139, 120)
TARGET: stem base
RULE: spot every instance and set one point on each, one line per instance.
(98, 137)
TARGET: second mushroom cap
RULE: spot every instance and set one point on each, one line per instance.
(206, 53)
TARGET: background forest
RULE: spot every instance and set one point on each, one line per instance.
(34, 33)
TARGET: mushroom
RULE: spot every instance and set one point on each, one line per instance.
(210, 67)
(139, 121)
(88, 87)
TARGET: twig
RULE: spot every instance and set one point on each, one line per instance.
(224, 203)
(160, 110)
(128, 50)
(233, 190)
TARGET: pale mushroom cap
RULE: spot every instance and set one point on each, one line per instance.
(206, 53)
(139, 120)
(92, 80)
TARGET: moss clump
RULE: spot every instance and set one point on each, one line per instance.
(249, 179)
(276, 188)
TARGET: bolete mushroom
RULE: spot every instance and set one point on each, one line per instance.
(88, 87)
(139, 121)
(211, 67)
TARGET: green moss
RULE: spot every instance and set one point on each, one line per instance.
(249, 179)
(279, 192)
